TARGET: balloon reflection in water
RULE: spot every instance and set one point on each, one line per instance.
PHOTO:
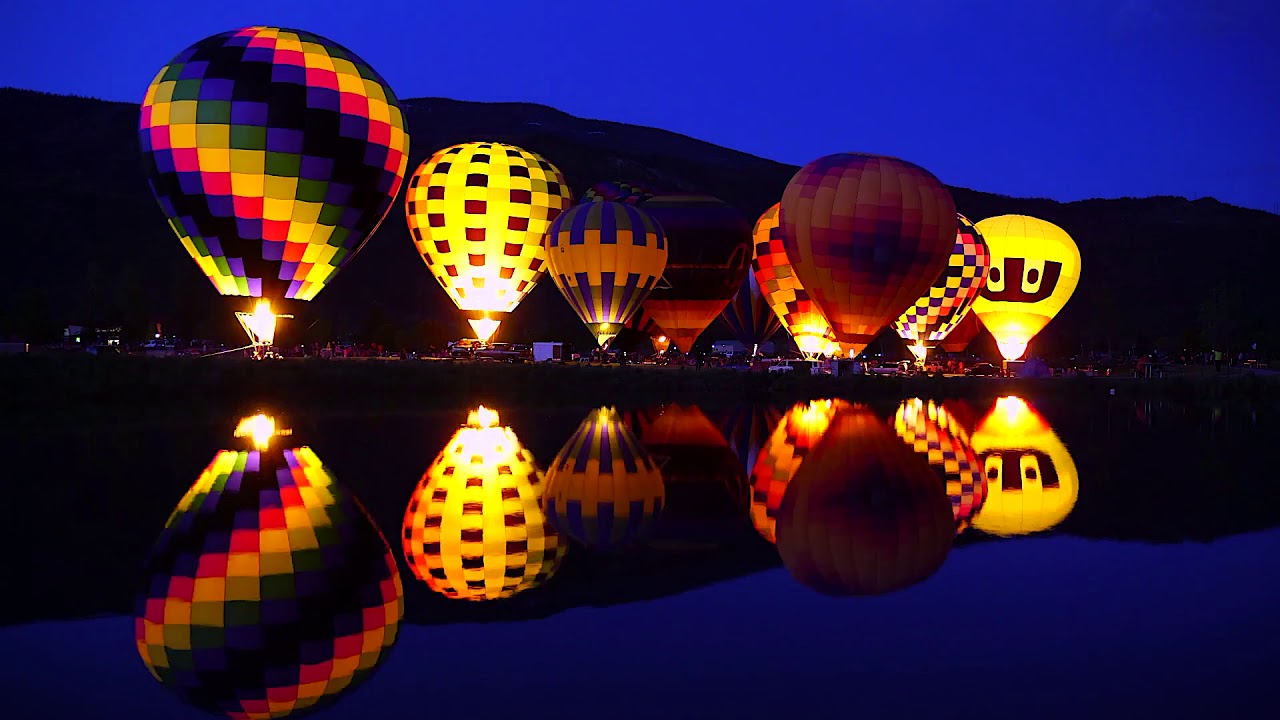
(706, 488)
(603, 488)
(931, 431)
(1032, 483)
(474, 528)
(747, 428)
(270, 590)
(864, 515)
(792, 440)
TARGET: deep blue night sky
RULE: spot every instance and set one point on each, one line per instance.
(1067, 99)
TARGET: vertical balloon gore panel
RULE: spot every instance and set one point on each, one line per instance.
(474, 528)
(790, 442)
(749, 316)
(603, 488)
(270, 590)
(274, 154)
(477, 213)
(928, 429)
(1035, 268)
(1032, 482)
(864, 515)
(867, 235)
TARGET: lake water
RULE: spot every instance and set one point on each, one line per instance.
(1007, 558)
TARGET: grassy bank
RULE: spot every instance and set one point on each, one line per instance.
(50, 382)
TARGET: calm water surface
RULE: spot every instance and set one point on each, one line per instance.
(965, 559)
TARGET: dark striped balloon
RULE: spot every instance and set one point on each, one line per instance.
(605, 257)
(749, 316)
(603, 488)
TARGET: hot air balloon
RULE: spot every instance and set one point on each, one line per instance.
(863, 515)
(477, 213)
(1032, 484)
(605, 258)
(270, 590)
(866, 235)
(1035, 267)
(706, 490)
(963, 334)
(749, 316)
(783, 291)
(474, 528)
(275, 154)
(603, 488)
(930, 430)
(629, 193)
(708, 255)
(642, 322)
(792, 439)
(948, 301)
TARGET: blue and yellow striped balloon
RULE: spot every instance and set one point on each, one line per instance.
(603, 488)
(606, 257)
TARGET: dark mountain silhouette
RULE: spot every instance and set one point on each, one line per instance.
(88, 244)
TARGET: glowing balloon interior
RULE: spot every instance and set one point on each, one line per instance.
(270, 590)
(275, 154)
(477, 213)
(1035, 267)
(603, 488)
(474, 528)
(1032, 483)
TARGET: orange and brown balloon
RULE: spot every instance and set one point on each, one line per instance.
(867, 236)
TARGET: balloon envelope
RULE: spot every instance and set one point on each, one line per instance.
(478, 212)
(275, 154)
(947, 302)
(605, 258)
(782, 289)
(628, 192)
(270, 590)
(749, 316)
(867, 235)
(708, 255)
(963, 334)
(1035, 267)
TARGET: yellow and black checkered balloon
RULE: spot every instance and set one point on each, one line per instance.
(948, 301)
(474, 528)
(477, 213)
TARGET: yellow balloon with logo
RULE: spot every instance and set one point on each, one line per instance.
(1035, 267)
(1032, 483)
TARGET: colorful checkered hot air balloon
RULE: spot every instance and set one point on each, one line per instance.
(1035, 267)
(477, 213)
(708, 255)
(275, 154)
(948, 301)
(270, 591)
(474, 528)
(791, 440)
(783, 291)
(1032, 483)
(629, 193)
(603, 488)
(864, 515)
(749, 316)
(866, 235)
(930, 430)
(605, 258)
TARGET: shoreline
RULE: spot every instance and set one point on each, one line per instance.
(40, 384)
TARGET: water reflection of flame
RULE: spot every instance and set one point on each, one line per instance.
(603, 488)
(1032, 483)
(474, 527)
(791, 441)
(270, 590)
